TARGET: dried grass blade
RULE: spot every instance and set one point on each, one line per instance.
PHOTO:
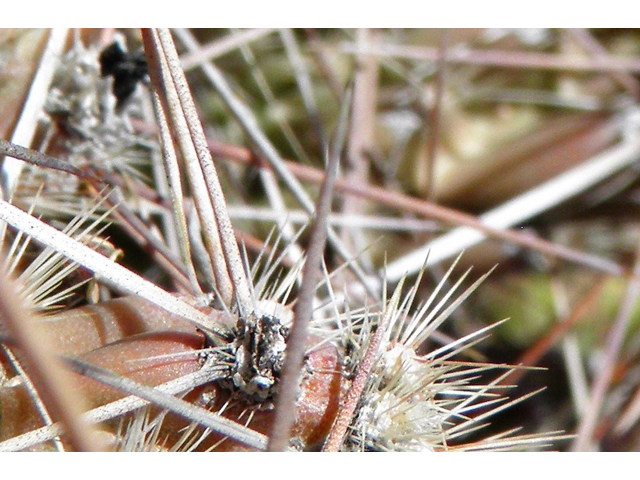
(175, 187)
(241, 287)
(235, 266)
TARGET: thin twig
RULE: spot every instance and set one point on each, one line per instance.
(362, 129)
(586, 39)
(319, 55)
(172, 170)
(279, 207)
(270, 97)
(434, 115)
(303, 80)
(167, 222)
(297, 340)
(370, 222)
(225, 45)
(40, 159)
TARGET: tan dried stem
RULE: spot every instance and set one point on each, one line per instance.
(32, 108)
(434, 115)
(361, 134)
(362, 129)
